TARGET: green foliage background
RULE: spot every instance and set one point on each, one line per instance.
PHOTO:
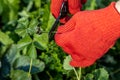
(25, 53)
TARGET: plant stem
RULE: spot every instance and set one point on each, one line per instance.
(79, 73)
(76, 73)
(49, 75)
(30, 67)
(29, 5)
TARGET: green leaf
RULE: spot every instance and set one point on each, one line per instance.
(66, 64)
(89, 77)
(51, 20)
(45, 16)
(91, 5)
(23, 63)
(9, 10)
(1, 7)
(32, 51)
(8, 59)
(14, 7)
(38, 3)
(24, 42)
(23, 22)
(32, 26)
(26, 27)
(4, 39)
(12, 54)
(100, 74)
(21, 32)
(22, 27)
(19, 75)
(41, 41)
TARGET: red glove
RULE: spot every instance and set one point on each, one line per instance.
(88, 35)
(73, 6)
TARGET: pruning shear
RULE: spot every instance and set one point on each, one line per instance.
(62, 14)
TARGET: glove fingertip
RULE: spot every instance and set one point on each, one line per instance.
(55, 7)
(74, 6)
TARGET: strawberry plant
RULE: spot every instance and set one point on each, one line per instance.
(26, 54)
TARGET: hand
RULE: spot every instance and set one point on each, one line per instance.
(73, 6)
(88, 35)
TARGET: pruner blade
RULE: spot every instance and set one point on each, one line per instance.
(62, 14)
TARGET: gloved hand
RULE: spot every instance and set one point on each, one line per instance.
(88, 35)
(73, 6)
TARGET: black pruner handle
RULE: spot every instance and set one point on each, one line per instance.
(51, 34)
(64, 9)
(63, 13)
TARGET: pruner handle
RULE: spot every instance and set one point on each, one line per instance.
(63, 13)
(64, 9)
